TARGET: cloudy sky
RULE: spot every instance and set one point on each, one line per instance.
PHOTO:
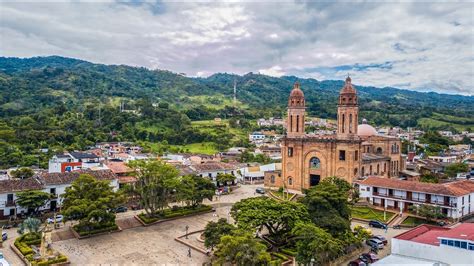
(420, 46)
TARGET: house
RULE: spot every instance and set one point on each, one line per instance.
(433, 245)
(256, 173)
(73, 161)
(443, 159)
(122, 171)
(456, 199)
(410, 175)
(256, 137)
(54, 183)
(212, 169)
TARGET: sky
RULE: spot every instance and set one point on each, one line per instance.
(424, 46)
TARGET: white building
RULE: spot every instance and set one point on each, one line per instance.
(73, 161)
(433, 245)
(212, 169)
(256, 136)
(54, 183)
(456, 199)
(443, 159)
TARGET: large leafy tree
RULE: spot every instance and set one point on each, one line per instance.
(32, 199)
(314, 244)
(157, 183)
(215, 230)
(22, 173)
(328, 207)
(194, 189)
(452, 169)
(243, 249)
(427, 211)
(224, 178)
(278, 217)
(90, 201)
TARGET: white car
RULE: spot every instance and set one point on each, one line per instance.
(3, 261)
(59, 218)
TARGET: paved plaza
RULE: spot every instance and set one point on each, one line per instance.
(153, 244)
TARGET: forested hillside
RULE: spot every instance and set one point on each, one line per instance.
(55, 102)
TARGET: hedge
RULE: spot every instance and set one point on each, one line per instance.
(23, 244)
(96, 230)
(173, 212)
(279, 256)
(288, 251)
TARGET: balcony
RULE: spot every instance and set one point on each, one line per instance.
(10, 203)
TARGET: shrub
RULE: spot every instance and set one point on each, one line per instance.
(174, 212)
(280, 189)
(95, 229)
(288, 251)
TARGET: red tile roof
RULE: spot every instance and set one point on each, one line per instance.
(118, 167)
(213, 166)
(429, 234)
(456, 188)
(15, 185)
(69, 177)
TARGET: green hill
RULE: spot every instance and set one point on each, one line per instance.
(54, 102)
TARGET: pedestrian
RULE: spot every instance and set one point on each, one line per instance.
(386, 228)
(189, 252)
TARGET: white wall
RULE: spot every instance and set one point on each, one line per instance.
(438, 253)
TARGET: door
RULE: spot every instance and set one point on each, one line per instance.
(314, 180)
(53, 205)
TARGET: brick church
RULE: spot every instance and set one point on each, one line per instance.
(354, 151)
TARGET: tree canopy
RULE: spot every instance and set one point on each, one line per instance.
(242, 249)
(32, 199)
(215, 230)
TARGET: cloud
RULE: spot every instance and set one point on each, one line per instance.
(428, 46)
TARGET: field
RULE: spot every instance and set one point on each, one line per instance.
(367, 213)
(442, 120)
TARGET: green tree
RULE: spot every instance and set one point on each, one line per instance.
(328, 207)
(22, 173)
(241, 249)
(340, 183)
(315, 244)
(429, 178)
(224, 178)
(156, 184)
(32, 199)
(90, 201)
(453, 169)
(215, 230)
(427, 211)
(278, 217)
(194, 189)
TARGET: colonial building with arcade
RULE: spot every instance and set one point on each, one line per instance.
(353, 152)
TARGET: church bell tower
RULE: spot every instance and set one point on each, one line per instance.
(296, 112)
(347, 111)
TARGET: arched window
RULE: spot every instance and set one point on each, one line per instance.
(291, 124)
(355, 171)
(378, 168)
(379, 150)
(370, 172)
(314, 163)
(290, 181)
(272, 179)
(363, 171)
(384, 167)
(343, 122)
(350, 123)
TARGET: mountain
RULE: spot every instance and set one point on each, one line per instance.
(68, 103)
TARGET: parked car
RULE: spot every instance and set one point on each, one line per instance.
(375, 243)
(121, 209)
(370, 257)
(3, 261)
(59, 218)
(260, 190)
(357, 262)
(4, 236)
(441, 223)
(377, 224)
(381, 238)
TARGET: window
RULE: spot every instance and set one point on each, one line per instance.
(363, 171)
(290, 151)
(272, 179)
(368, 189)
(342, 155)
(471, 246)
(370, 171)
(290, 181)
(355, 171)
(52, 191)
(350, 123)
(356, 156)
(314, 163)
(297, 123)
(343, 122)
(450, 243)
(457, 244)
(464, 245)
(291, 124)
(379, 150)
(378, 168)
(444, 242)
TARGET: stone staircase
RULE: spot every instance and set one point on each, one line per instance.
(129, 222)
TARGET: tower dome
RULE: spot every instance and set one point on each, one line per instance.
(296, 98)
(366, 130)
(348, 94)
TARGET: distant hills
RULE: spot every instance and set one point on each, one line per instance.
(31, 84)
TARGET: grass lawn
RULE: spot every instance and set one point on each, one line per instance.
(282, 195)
(367, 213)
(415, 221)
(202, 147)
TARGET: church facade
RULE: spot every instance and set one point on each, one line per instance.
(353, 152)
